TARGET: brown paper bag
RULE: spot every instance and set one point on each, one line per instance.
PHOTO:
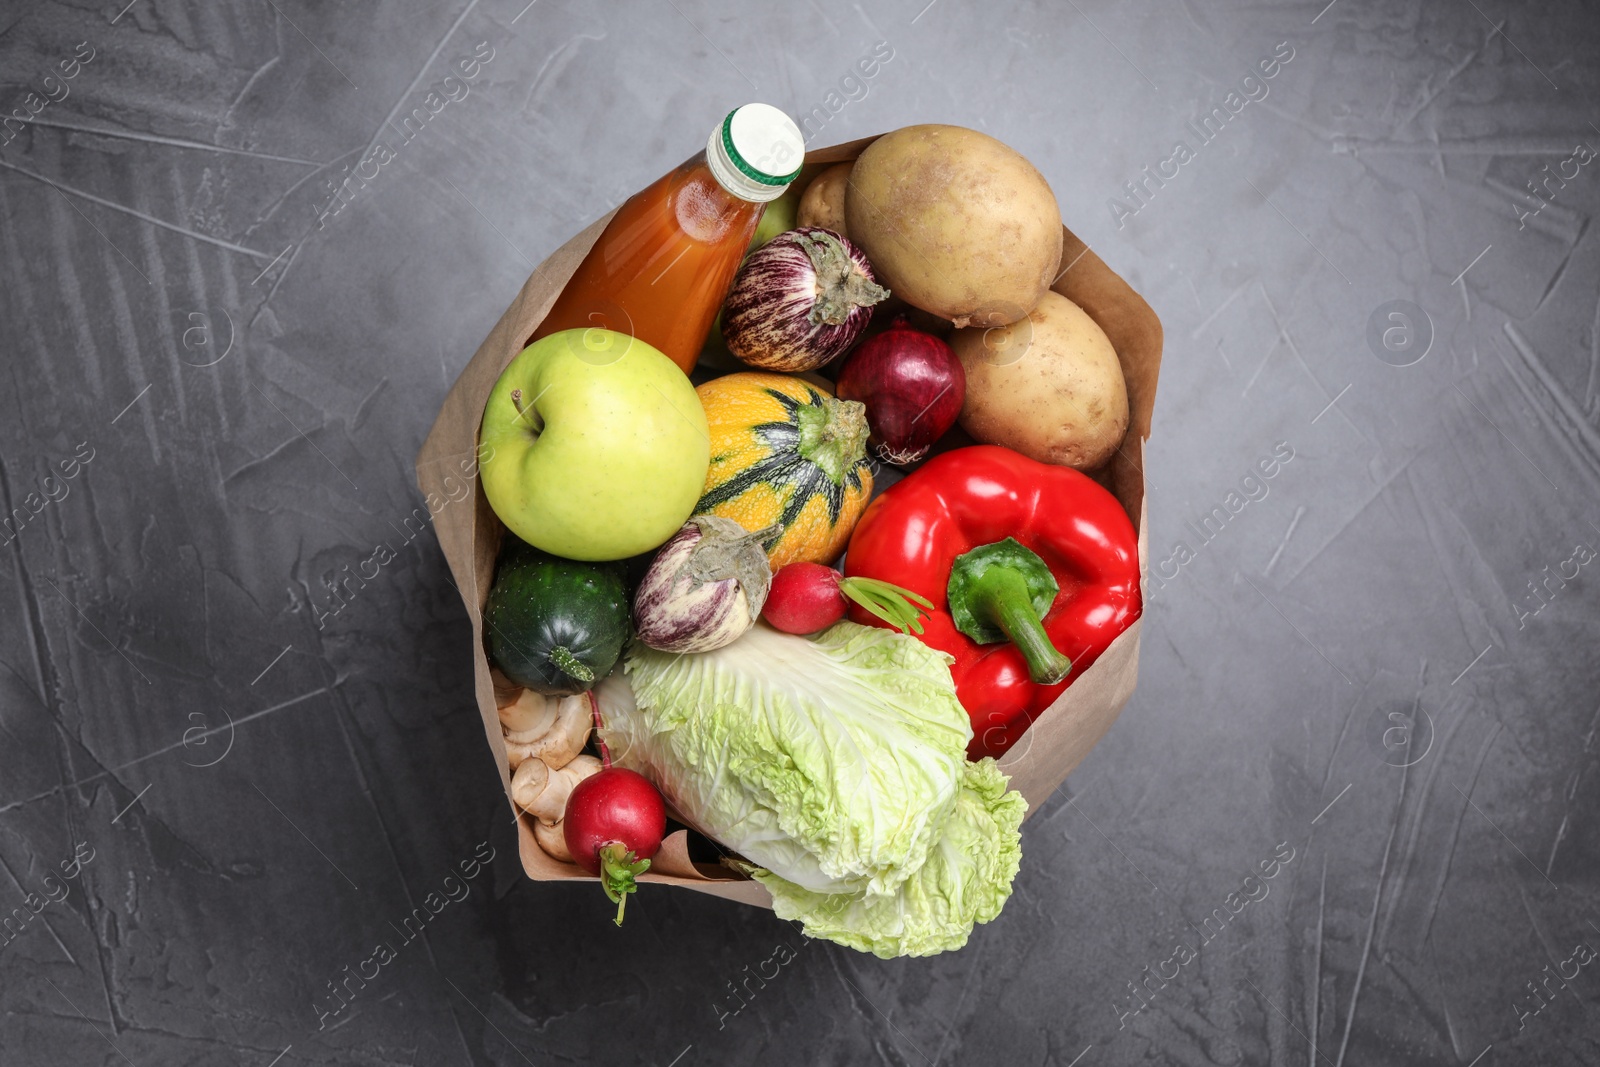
(470, 534)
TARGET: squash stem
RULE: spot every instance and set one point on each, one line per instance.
(570, 665)
(833, 435)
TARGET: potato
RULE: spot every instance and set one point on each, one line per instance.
(1049, 386)
(955, 222)
(823, 202)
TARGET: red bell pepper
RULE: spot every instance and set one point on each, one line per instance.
(1033, 570)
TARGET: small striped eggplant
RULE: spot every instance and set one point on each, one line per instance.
(705, 588)
(799, 301)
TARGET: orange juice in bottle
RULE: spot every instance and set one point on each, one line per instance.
(665, 262)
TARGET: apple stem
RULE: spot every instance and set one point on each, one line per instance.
(530, 414)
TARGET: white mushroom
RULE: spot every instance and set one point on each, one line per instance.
(564, 740)
(528, 781)
(517, 751)
(505, 690)
(542, 792)
(553, 839)
(528, 717)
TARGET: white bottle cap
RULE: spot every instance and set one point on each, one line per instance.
(756, 152)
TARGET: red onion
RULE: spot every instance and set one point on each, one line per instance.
(799, 301)
(912, 385)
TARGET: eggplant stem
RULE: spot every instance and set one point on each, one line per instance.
(841, 284)
(762, 534)
(727, 550)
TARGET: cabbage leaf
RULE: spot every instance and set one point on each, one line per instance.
(966, 879)
(837, 764)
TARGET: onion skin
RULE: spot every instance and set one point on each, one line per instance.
(913, 386)
(799, 301)
(705, 588)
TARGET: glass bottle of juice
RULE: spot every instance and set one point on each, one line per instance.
(665, 262)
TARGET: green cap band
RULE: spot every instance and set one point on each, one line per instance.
(745, 168)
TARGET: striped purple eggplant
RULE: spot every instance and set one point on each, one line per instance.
(799, 301)
(705, 588)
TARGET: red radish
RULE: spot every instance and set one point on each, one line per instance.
(913, 387)
(613, 825)
(806, 597)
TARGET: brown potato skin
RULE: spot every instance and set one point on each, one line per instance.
(955, 222)
(823, 202)
(1049, 386)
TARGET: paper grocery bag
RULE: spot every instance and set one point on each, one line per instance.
(470, 534)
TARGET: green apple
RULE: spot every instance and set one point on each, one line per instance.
(595, 446)
(780, 215)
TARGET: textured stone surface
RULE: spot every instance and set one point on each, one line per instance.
(266, 799)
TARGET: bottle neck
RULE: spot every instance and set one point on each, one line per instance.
(734, 178)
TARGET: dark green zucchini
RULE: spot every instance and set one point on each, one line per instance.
(555, 625)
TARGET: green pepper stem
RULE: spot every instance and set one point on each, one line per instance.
(1000, 595)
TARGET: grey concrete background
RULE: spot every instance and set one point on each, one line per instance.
(1386, 663)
